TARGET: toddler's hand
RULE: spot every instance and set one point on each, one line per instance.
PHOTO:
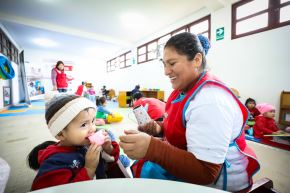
(107, 145)
(92, 159)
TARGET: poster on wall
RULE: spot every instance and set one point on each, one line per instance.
(6, 96)
(35, 79)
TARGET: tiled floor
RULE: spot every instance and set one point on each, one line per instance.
(23, 129)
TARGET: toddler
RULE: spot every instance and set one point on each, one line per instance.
(265, 123)
(71, 120)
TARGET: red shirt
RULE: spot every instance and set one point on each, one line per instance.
(80, 90)
(264, 126)
(156, 108)
(254, 112)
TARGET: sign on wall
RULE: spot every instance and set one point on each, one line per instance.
(220, 33)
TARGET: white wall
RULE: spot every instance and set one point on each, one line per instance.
(256, 65)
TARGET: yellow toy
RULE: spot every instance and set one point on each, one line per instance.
(117, 118)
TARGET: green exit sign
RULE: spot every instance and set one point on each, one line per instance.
(220, 33)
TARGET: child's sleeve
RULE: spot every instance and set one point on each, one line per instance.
(116, 151)
(59, 177)
(104, 110)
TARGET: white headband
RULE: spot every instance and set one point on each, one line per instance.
(67, 113)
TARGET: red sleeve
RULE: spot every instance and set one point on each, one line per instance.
(116, 150)
(261, 127)
(59, 177)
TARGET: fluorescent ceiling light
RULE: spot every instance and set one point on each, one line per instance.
(45, 42)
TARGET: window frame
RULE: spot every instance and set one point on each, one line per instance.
(185, 27)
(125, 61)
(273, 17)
(110, 65)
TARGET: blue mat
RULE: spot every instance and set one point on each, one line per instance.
(37, 107)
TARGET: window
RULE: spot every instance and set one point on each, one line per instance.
(124, 60)
(147, 52)
(7, 48)
(154, 49)
(201, 26)
(254, 16)
(161, 43)
(112, 65)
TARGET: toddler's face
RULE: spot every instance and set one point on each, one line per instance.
(78, 130)
(270, 114)
(250, 105)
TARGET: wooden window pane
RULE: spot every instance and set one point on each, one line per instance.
(251, 8)
(252, 24)
(164, 39)
(285, 14)
(142, 58)
(122, 64)
(128, 56)
(199, 27)
(152, 55)
(178, 32)
(152, 46)
(142, 50)
(121, 58)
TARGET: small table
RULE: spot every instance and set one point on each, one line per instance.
(129, 185)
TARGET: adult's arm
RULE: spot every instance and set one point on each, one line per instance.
(181, 163)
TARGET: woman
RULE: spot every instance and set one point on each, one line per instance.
(58, 77)
(202, 127)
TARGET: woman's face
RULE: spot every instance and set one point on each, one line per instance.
(181, 72)
(60, 66)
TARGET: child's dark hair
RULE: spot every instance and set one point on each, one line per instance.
(53, 106)
(249, 100)
(137, 95)
(32, 158)
(100, 101)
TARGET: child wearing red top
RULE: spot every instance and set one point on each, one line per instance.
(265, 123)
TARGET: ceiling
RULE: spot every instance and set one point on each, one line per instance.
(99, 26)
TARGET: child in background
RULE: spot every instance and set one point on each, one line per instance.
(71, 120)
(153, 106)
(265, 123)
(251, 106)
(102, 112)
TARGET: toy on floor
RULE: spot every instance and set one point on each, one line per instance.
(116, 117)
(104, 113)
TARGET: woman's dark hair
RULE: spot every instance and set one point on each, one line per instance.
(100, 101)
(189, 44)
(249, 100)
(137, 95)
(32, 158)
(58, 63)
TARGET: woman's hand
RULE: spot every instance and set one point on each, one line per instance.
(135, 144)
(92, 159)
(151, 128)
(107, 145)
